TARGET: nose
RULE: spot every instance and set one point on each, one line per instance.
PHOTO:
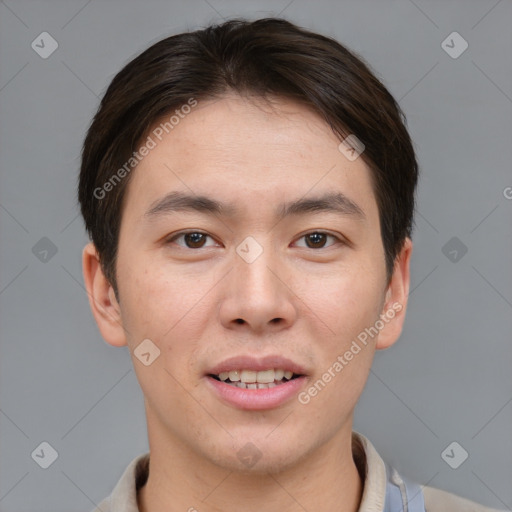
(257, 296)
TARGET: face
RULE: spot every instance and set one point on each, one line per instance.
(253, 280)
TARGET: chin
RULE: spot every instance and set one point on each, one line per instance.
(257, 455)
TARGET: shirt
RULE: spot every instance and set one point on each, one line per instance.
(370, 465)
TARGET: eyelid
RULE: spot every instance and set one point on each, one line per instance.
(338, 238)
(179, 234)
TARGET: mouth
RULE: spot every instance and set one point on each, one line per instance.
(251, 379)
(256, 384)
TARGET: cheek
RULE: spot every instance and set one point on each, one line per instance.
(346, 301)
(154, 300)
(155, 307)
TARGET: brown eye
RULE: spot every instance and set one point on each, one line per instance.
(316, 240)
(192, 239)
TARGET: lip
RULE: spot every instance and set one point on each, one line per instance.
(245, 362)
(256, 399)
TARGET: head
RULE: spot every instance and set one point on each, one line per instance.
(249, 191)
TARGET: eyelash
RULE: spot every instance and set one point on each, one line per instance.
(183, 233)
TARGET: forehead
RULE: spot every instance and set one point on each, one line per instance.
(249, 152)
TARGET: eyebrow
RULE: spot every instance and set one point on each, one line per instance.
(334, 202)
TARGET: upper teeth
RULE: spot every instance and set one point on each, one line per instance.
(251, 376)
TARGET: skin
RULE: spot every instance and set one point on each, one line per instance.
(189, 302)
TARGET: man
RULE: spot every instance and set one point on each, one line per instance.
(249, 193)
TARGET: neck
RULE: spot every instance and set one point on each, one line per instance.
(181, 480)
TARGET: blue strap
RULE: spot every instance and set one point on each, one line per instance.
(402, 495)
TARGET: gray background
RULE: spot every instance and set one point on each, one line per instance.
(447, 379)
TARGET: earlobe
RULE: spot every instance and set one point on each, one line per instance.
(395, 304)
(104, 305)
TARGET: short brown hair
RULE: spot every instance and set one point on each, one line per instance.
(266, 57)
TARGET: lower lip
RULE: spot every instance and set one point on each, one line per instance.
(257, 399)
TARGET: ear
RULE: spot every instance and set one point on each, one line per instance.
(395, 302)
(102, 300)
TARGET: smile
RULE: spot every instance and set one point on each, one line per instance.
(250, 379)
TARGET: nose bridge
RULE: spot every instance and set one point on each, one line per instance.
(253, 262)
(256, 294)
